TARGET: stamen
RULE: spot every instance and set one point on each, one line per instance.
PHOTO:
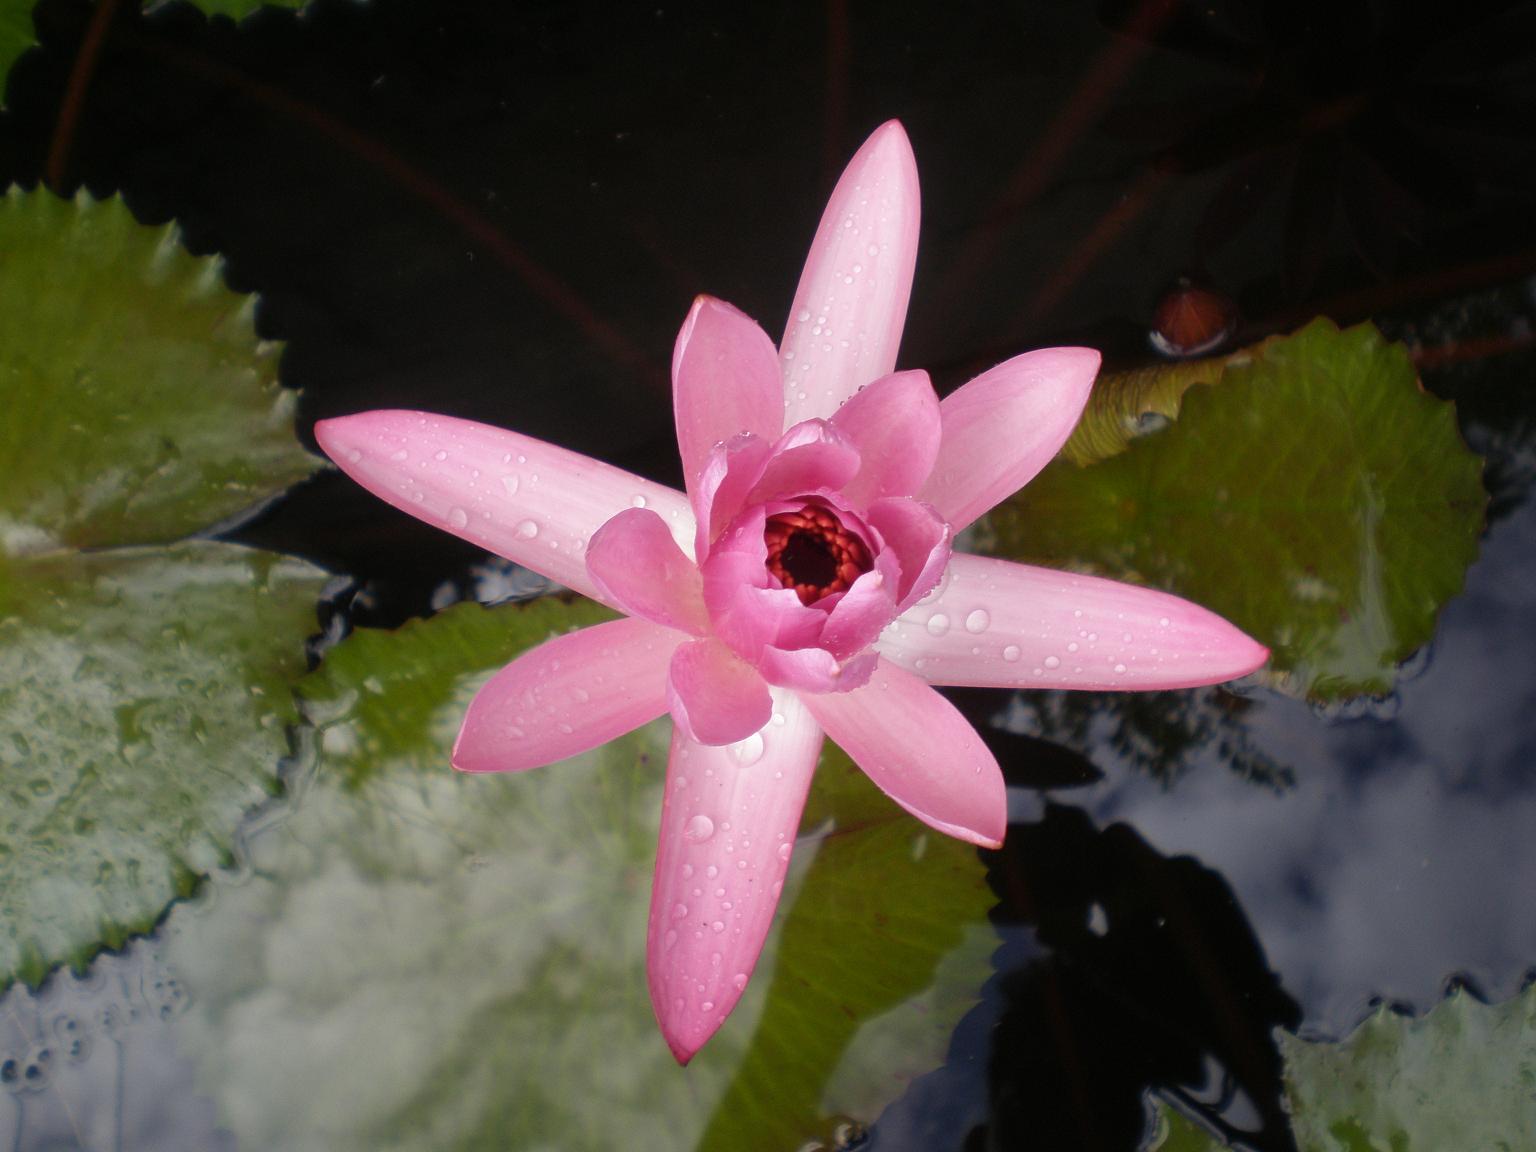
(810, 551)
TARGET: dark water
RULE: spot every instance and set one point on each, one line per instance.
(502, 211)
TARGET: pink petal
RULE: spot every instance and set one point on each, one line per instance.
(637, 566)
(856, 620)
(732, 470)
(725, 381)
(895, 424)
(715, 696)
(747, 606)
(920, 541)
(845, 324)
(1004, 426)
(569, 694)
(521, 498)
(810, 456)
(922, 753)
(1005, 625)
(728, 825)
(814, 670)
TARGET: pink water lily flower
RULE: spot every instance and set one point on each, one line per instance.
(803, 586)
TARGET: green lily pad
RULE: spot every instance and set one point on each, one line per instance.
(423, 959)
(143, 689)
(140, 405)
(238, 10)
(1313, 494)
(16, 35)
(1462, 1076)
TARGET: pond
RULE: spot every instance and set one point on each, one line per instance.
(247, 903)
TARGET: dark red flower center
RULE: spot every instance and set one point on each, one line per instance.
(810, 551)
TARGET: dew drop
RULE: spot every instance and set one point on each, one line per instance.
(708, 1006)
(638, 501)
(1053, 662)
(354, 455)
(718, 926)
(527, 529)
(1162, 622)
(1072, 647)
(457, 518)
(977, 621)
(739, 981)
(699, 829)
(510, 482)
(711, 871)
(785, 850)
(750, 750)
(440, 455)
(1119, 668)
(679, 911)
(1011, 653)
(400, 454)
(938, 624)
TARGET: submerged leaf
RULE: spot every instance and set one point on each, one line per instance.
(1313, 495)
(143, 698)
(143, 690)
(434, 960)
(1462, 1076)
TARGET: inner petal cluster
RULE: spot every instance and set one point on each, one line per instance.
(810, 551)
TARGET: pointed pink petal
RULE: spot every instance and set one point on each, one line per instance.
(845, 325)
(895, 424)
(922, 753)
(1004, 426)
(915, 534)
(715, 696)
(637, 566)
(521, 498)
(725, 381)
(567, 695)
(728, 825)
(1005, 625)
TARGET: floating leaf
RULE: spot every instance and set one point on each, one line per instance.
(424, 959)
(16, 35)
(143, 690)
(1462, 1076)
(140, 405)
(1313, 495)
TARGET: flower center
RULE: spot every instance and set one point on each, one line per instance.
(810, 551)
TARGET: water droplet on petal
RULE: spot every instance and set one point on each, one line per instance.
(510, 482)
(938, 624)
(679, 911)
(977, 621)
(439, 455)
(638, 501)
(718, 926)
(785, 850)
(527, 529)
(1011, 653)
(457, 518)
(750, 750)
(739, 981)
(699, 829)
(1053, 662)
(1119, 668)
